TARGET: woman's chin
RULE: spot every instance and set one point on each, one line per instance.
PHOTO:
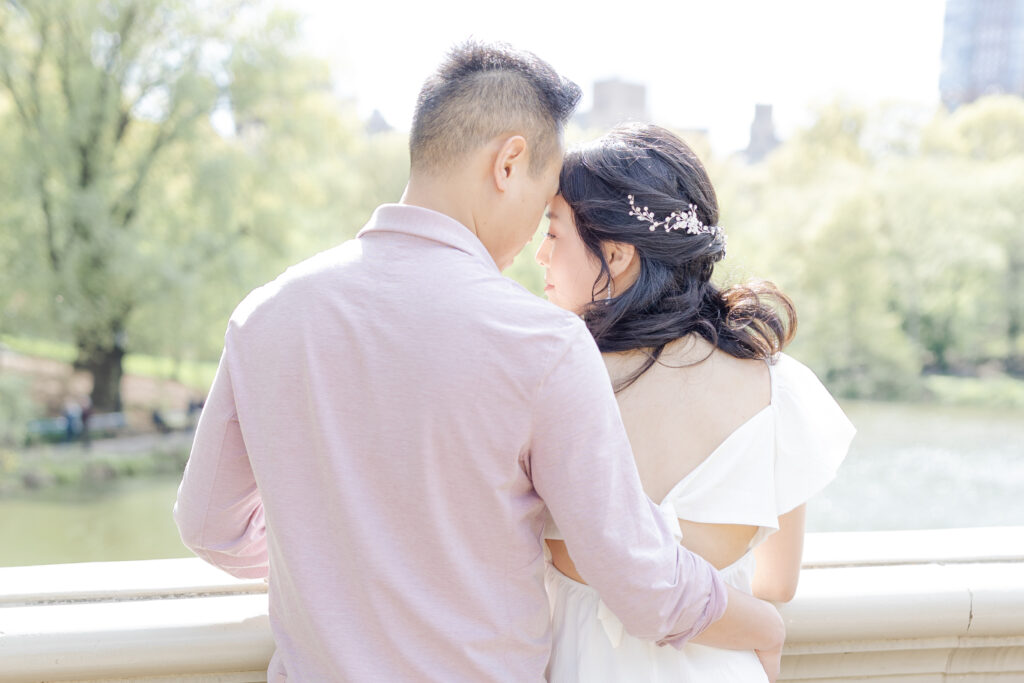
(552, 297)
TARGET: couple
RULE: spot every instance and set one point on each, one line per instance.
(395, 428)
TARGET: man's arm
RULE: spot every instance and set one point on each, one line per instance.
(582, 466)
(749, 624)
(219, 512)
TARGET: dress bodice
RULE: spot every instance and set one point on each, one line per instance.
(769, 465)
(772, 463)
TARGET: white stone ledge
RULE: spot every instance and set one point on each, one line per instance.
(889, 606)
(907, 601)
(99, 581)
(942, 546)
(138, 638)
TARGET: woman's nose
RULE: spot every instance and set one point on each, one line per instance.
(541, 255)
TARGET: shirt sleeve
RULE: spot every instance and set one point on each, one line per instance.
(219, 512)
(582, 466)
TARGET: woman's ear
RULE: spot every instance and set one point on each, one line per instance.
(619, 256)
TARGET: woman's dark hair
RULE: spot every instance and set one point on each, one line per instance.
(673, 295)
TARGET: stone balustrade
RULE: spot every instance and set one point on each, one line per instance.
(885, 607)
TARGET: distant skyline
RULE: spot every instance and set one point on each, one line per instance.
(705, 64)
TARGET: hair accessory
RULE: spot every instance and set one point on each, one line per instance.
(677, 220)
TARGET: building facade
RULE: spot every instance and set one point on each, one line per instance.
(616, 101)
(982, 50)
(762, 134)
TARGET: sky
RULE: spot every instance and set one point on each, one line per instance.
(705, 64)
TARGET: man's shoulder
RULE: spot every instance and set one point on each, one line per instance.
(513, 301)
(296, 280)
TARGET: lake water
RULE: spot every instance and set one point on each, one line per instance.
(910, 467)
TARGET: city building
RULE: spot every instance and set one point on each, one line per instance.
(616, 101)
(377, 124)
(982, 50)
(762, 134)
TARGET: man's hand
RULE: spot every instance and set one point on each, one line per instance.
(749, 624)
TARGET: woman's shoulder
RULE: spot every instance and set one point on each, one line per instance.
(771, 461)
(692, 361)
(795, 385)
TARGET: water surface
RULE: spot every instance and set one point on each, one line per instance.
(910, 467)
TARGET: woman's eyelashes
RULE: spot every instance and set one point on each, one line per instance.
(549, 236)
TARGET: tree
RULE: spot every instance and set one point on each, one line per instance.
(101, 91)
(980, 149)
(134, 220)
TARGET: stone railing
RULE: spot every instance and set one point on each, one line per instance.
(906, 606)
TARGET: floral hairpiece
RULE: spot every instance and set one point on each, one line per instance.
(677, 220)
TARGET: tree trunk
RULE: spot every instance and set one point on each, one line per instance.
(105, 365)
(1015, 314)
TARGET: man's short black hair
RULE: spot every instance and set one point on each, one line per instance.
(482, 90)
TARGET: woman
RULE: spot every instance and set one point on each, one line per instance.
(729, 435)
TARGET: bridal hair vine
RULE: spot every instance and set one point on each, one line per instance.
(677, 220)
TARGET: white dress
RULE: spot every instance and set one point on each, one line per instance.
(771, 464)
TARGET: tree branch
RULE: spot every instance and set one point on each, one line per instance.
(65, 64)
(34, 124)
(37, 64)
(51, 236)
(127, 206)
(18, 103)
(154, 287)
(8, 80)
(106, 77)
(124, 118)
(88, 147)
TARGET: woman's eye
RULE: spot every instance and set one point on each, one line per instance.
(549, 236)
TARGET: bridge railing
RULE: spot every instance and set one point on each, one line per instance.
(903, 606)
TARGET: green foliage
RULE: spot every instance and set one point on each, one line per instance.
(1000, 391)
(16, 409)
(195, 374)
(128, 220)
(990, 129)
(43, 348)
(60, 474)
(525, 269)
(900, 256)
(164, 157)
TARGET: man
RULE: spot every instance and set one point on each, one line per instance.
(392, 421)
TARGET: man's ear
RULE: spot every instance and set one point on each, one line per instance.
(510, 160)
(618, 256)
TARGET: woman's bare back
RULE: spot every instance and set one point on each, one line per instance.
(677, 414)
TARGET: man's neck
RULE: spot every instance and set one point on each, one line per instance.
(445, 196)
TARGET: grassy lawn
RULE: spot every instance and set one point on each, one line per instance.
(1000, 391)
(995, 392)
(194, 374)
(39, 347)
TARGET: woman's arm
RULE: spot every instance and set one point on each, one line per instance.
(778, 559)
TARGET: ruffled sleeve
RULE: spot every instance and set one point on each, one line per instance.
(775, 461)
(812, 434)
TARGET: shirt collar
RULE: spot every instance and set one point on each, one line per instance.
(428, 224)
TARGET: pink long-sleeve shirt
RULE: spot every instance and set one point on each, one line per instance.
(391, 422)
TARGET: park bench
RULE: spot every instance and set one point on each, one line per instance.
(54, 429)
